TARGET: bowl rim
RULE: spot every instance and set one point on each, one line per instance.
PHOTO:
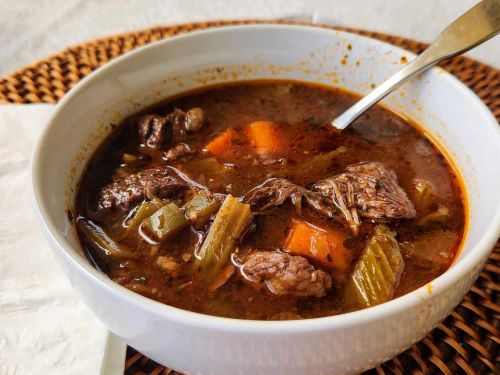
(410, 300)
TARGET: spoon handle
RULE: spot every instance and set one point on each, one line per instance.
(476, 26)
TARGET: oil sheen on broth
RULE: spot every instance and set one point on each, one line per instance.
(242, 201)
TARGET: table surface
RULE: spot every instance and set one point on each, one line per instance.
(32, 29)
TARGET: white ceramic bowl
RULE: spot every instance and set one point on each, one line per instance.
(195, 343)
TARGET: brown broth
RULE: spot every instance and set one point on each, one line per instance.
(302, 112)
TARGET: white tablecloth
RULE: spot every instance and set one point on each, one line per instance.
(32, 29)
(45, 328)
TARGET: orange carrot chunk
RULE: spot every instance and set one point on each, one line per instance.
(325, 246)
(221, 142)
(263, 135)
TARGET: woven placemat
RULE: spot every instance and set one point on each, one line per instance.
(467, 341)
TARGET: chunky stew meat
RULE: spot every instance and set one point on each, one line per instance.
(242, 201)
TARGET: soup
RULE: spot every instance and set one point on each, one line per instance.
(242, 201)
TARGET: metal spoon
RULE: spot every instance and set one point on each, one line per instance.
(475, 27)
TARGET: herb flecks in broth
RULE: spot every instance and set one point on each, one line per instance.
(242, 201)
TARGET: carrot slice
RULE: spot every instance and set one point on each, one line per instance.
(325, 246)
(221, 142)
(263, 135)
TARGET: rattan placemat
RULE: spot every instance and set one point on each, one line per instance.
(467, 341)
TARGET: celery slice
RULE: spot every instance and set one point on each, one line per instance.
(100, 242)
(229, 224)
(377, 272)
(143, 211)
(200, 208)
(165, 222)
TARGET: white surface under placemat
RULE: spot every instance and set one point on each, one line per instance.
(44, 326)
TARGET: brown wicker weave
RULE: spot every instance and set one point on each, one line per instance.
(465, 342)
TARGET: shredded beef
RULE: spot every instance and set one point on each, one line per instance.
(284, 274)
(126, 192)
(275, 191)
(368, 190)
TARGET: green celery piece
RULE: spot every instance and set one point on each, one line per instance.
(100, 242)
(200, 208)
(143, 211)
(229, 224)
(377, 272)
(165, 222)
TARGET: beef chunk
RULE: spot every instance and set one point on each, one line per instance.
(284, 274)
(177, 151)
(155, 131)
(126, 192)
(369, 190)
(194, 120)
(177, 119)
